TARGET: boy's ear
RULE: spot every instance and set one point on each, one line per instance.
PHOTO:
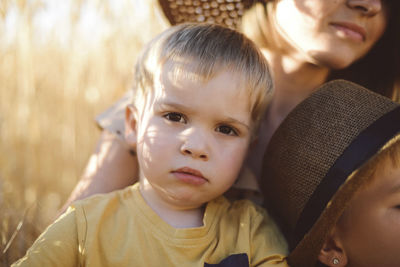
(332, 252)
(130, 125)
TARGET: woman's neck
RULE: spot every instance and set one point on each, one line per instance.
(294, 81)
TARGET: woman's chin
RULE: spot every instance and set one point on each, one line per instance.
(332, 61)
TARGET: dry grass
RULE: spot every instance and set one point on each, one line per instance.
(50, 91)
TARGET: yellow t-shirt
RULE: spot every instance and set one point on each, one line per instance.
(120, 229)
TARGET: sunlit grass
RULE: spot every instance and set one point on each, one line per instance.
(52, 85)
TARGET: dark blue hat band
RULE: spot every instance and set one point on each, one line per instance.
(362, 148)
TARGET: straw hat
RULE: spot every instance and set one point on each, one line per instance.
(224, 12)
(310, 157)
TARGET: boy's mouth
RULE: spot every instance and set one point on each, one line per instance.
(189, 175)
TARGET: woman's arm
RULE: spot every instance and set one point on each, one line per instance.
(112, 166)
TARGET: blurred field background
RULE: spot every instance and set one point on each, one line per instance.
(61, 63)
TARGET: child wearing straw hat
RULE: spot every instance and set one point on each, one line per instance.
(331, 176)
(200, 92)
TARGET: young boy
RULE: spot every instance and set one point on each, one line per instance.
(332, 176)
(200, 92)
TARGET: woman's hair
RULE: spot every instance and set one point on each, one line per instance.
(379, 70)
(257, 24)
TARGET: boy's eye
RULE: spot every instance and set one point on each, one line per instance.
(228, 130)
(175, 116)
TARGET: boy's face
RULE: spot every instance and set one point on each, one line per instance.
(370, 226)
(192, 137)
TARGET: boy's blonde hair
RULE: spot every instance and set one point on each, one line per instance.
(388, 156)
(209, 49)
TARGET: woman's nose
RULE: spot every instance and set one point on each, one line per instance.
(366, 7)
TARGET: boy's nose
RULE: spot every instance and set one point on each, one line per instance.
(195, 145)
(194, 153)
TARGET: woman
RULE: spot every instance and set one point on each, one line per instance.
(307, 43)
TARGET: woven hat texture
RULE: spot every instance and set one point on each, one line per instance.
(224, 12)
(304, 148)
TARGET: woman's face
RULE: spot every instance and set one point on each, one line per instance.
(330, 33)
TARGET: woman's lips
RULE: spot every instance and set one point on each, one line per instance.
(190, 176)
(350, 30)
